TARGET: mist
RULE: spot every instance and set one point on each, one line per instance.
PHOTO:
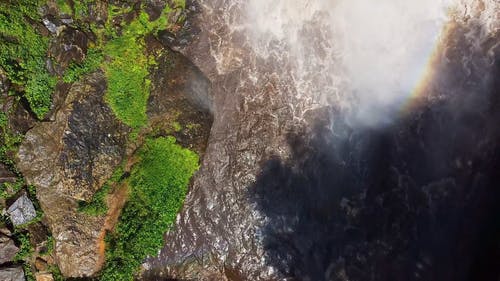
(369, 55)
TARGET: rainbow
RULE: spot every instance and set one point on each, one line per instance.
(417, 96)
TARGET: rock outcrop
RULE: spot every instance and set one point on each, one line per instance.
(68, 160)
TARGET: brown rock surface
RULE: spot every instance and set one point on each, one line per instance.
(68, 160)
(14, 273)
(44, 277)
(8, 249)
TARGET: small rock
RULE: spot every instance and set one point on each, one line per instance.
(12, 274)
(44, 277)
(8, 249)
(21, 211)
(52, 27)
(5, 231)
(40, 264)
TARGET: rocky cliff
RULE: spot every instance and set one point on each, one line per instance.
(291, 188)
(300, 177)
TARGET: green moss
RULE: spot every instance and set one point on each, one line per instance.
(127, 70)
(23, 51)
(64, 7)
(8, 189)
(56, 273)
(9, 142)
(97, 206)
(28, 272)
(158, 186)
(25, 248)
(81, 8)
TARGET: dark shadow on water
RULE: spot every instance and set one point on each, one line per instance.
(419, 200)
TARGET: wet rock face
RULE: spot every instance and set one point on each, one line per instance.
(290, 189)
(68, 160)
(180, 94)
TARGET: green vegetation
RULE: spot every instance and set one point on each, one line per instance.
(49, 246)
(64, 7)
(97, 206)
(23, 51)
(91, 63)
(158, 185)
(127, 70)
(9, 143)
(28, 272)
(25, 248)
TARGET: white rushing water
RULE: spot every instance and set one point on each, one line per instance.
(372, 52)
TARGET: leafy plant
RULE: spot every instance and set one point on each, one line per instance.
(127, 70)
(25, 248)
(23, 51)
(158, 186)
(97, 206)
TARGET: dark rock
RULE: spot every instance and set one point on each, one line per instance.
(6, 175)
(68, 160)
(8, 249)
(4, 83)
(38, 235)
(153, 8)
(180, 36)
(21, 211)
(20, 119)
(180, 94)
(12, 274)
(70, 46)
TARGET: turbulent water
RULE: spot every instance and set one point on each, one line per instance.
(352, 140)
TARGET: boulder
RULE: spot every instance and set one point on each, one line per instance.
(68, 160)
(12, 274)
(8, 249)
(21, 211)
